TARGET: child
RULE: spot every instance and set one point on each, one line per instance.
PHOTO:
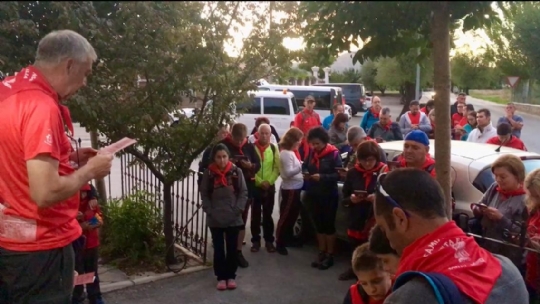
(379, 244)
(532, 273)
(374, 284)
(90, 218)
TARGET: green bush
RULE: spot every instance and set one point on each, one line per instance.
(133, 233)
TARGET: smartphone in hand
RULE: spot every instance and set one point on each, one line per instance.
(361, 193)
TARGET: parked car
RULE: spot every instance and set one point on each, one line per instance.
(471, 176)
(325, 97)
(354, 94)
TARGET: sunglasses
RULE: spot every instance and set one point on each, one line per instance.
(387, 197)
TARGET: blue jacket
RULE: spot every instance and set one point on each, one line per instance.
(328, 121)
(368, 120)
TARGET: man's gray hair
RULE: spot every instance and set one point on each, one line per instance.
(58, 46)
(263, 125)
(355, 133)
(385, 111)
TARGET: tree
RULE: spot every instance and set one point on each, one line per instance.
(369, 74)
(312, 55)
(399, 28)
(347, 76)
(179, 49)
(527, 38)
(472, 72)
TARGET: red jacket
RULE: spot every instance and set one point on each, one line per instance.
(306, 120)
(92, 236)
(514, 142)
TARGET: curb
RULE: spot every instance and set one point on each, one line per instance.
(144, 280)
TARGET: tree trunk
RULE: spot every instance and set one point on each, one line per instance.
(100, 183)
(168, 222)
(383, 89)
(440, 38)
(409, 94)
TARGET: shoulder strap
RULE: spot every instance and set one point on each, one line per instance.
(356, 296)
(444, 289)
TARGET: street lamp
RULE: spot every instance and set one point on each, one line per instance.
(315, 71)
(326, 75)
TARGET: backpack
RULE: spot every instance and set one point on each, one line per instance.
(444, 289)
(233, 175)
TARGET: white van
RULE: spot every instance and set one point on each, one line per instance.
(279, 107)
(325, 97)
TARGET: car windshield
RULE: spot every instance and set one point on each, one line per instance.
(486, 178)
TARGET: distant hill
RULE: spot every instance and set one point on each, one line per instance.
(344, 62)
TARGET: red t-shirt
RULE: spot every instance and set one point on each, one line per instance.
(31, 124)
(456, 119)
(305, 121)
(514, 142)
(92, 236)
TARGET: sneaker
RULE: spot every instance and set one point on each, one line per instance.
(270, 247)
(231, 284)
(318, 261)
(221, 285)
(255, 247)
(327, 262)
(242, 262)
(282, 250)
(347, 275)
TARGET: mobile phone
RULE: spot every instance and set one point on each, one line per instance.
(483, 206)
(360, 193)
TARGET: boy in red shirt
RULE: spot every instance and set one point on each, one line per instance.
(374, 284)
(506, 139)
(306, 120)
(91, 219)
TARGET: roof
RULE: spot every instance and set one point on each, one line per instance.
(299, 88)
(272, 94)
(337, 84)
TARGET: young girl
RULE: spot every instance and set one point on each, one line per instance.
(532, 275)
(224, 196)
(374, 284)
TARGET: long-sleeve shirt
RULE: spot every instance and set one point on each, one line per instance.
(338, 138)
(290, 170)
(269, 170)
(406, 126)
(483, 136)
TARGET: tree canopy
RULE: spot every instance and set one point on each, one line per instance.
(473, 72)
(527, 39)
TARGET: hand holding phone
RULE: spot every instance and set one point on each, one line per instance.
(361, 193)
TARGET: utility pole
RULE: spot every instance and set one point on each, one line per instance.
(418, 79)
(100, 183)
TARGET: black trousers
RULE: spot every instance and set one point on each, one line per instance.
(263, 199)
(225, 252)
(289, 209)
(37, 277)
(88, 264)
(324, 209)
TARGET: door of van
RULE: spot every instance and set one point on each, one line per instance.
(279, 111)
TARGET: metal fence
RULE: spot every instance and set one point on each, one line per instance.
(527, 91)
(188, 218)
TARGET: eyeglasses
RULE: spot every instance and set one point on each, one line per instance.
(388, 198)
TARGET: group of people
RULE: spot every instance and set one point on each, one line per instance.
(49, 215)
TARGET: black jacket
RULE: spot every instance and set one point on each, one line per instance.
(329, 176)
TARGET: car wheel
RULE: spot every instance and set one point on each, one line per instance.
(353, 109)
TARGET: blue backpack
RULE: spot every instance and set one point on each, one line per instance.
(444, 289)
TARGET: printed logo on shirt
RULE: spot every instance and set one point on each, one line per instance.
(48, 139)
(17, 228)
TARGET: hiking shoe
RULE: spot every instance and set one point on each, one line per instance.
(318, 261)
(231, 284)
(221, 285)
(242, 262)
(270, 247)
(327, 262)
(347, 275)
(255, 247)
(282, 250)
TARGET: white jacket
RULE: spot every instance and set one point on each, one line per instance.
(482, 137)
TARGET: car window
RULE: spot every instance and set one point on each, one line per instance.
(486, 178)
(276, 106)
(351, 89)
(253, 107)
(323, 100)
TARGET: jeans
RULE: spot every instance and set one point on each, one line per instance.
(89, 263)
(37, 277)
(225, 252)
(263, 199)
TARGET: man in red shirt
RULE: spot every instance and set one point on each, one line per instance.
(39, 189)
(506, 139)
(416, 153)
(306, 120)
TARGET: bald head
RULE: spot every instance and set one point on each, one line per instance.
(376, 103)
(265, 132)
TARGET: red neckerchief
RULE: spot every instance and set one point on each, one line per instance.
(508, 194)
(414, 118)
(368, 174)
(449, 251)
(532, 275)
(428, 162)
(317, 156)
(424, 109)
(27, 79)
(261, 148)
(373, 113)
(387, 126)
(229, 139)
(66, 116)
(256, 135)
(297, 154)
(356, 298)
(221, 176)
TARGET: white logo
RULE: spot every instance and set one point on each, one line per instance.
(459, 246)
(48, 139)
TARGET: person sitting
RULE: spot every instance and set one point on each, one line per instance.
(374, 284)
(336, 109)
(321, 178)
(385, 129)
(414, 120)
(372, 114)
(338, 133)
(501, 207)
(356, 136)
(437, 257)
(416, 153)
(430, 105)
(379, 244)
(471, 125)
(505, 138)
(484, 129)
(358, 195)
(274, 138)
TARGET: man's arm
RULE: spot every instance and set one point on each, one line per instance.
(425, 125)
(517, 124)
(403, 125)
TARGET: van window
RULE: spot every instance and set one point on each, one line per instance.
(485, 178)
(253, 107)
(323, 99)
(276, 106)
